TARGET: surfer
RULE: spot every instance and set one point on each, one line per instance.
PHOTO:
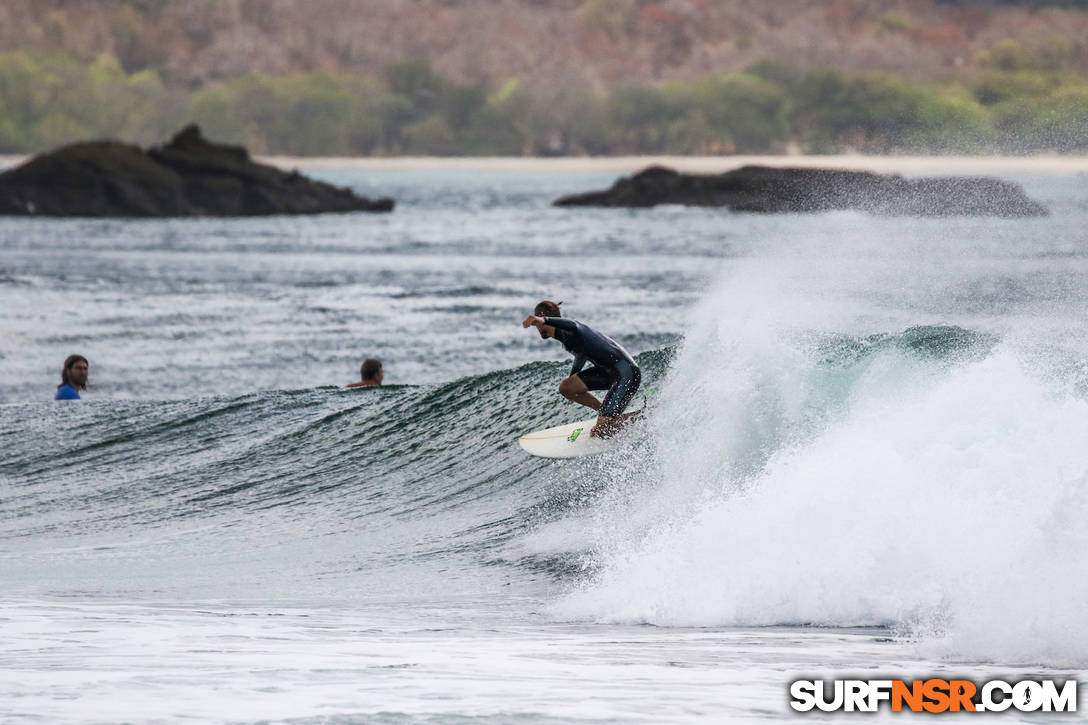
(613, 368)
(73, 378)
(371, 373)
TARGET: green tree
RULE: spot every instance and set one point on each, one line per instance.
(317, 115)
(742, 110)
(419, 84)
(641, 117)
(504, 125)
(1056, 122)
(878, 113)
(51, 99)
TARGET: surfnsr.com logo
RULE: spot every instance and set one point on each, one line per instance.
(933, 695)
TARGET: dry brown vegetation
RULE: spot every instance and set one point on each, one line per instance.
(600, 43)
(559, 77)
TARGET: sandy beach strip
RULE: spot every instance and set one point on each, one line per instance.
(910, 165)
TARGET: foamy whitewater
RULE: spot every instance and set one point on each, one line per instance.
(865, 457)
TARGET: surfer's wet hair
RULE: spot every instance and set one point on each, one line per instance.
(370, 369)
(66, 371)
(547, 308)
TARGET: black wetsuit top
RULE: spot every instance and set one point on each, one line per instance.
(613, 368)
(585, 343)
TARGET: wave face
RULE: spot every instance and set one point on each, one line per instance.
(932, 481)
(407, 491)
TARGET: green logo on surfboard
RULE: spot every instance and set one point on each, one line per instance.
(574, 436)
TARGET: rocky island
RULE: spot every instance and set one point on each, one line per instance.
(790, 190)
(189, 176)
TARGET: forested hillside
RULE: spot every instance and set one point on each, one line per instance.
(558, 77)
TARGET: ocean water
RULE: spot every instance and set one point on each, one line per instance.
(867, 458)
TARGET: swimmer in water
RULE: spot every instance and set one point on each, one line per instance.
(371, 373)
(73, 378)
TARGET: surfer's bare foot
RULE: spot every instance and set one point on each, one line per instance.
(607, 427)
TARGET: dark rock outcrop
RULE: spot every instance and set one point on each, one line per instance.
(189, 176)
(765, 189)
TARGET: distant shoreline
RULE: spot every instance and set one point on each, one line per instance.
(955, 165)
(942, 165)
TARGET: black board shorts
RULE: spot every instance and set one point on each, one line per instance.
(621, 384)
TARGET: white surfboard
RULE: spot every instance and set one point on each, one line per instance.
(566, 441)
(573, 439)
